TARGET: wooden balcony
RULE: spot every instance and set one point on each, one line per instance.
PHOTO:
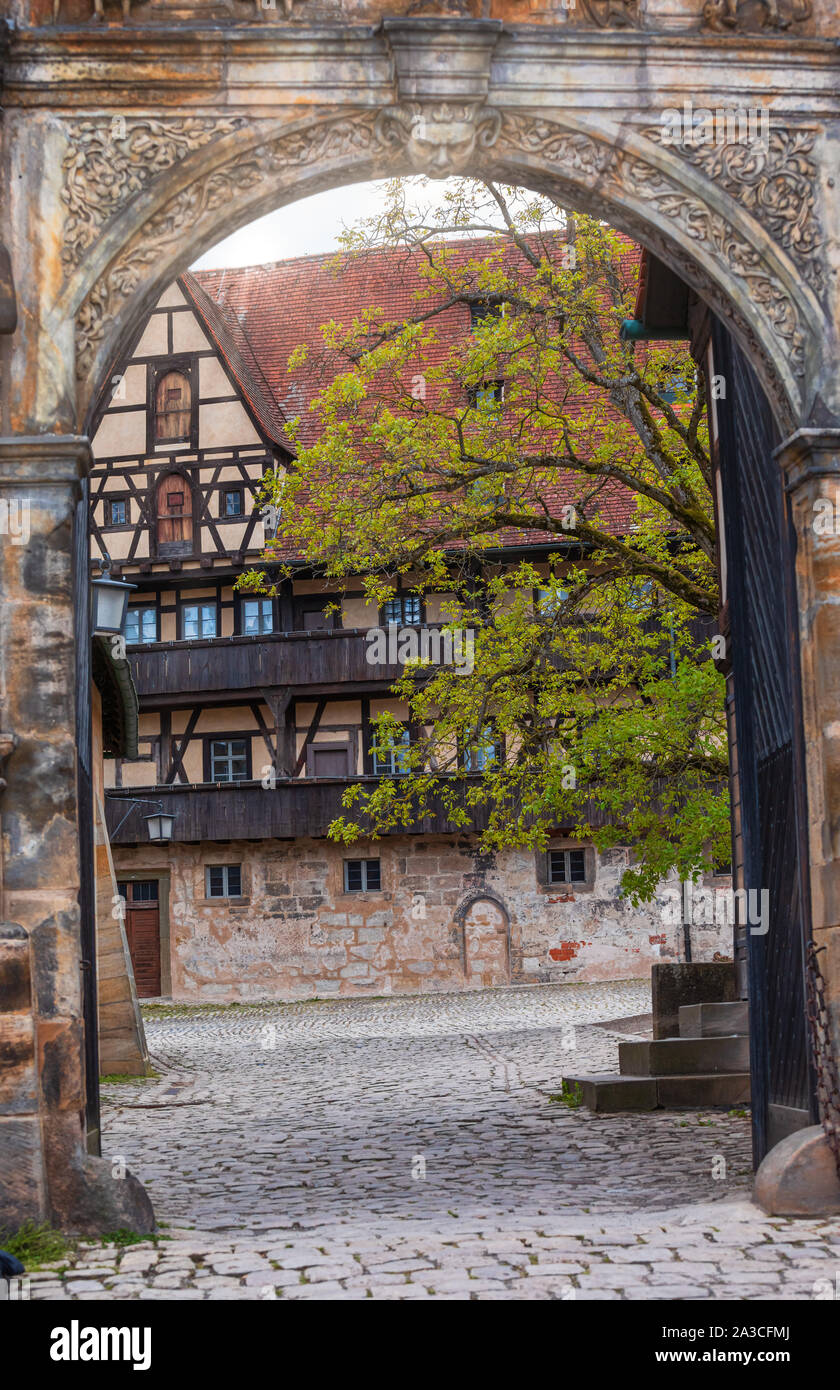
(246, 811)
(168, 673)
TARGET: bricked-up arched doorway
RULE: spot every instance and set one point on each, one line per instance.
(118, 185)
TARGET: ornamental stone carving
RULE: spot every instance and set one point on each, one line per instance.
(438, 139)
(774, 179)
(445, 138)
(109, 160)
(612, 170)
(253, 168)
(723, 15)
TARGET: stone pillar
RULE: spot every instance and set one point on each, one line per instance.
(45, 1171)
(799, 1176)
(811, 463)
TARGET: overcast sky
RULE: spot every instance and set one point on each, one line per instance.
(313, 225)
(306, 228)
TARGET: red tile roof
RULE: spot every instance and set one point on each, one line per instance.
(269, 310)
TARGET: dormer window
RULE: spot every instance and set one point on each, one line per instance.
(173, 408)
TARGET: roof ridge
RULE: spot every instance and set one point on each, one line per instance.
(249, 375)
(366, 251)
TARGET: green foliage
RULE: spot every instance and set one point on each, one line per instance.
(123, 1237)
(570, 1095)
(35, 1245)
(592, 705)
(124, 1078)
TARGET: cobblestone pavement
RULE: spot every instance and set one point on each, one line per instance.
(409, 1148)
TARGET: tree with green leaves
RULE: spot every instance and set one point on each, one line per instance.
(589, 701)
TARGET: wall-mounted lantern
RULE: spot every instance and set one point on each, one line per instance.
(159, 823)
(160, 826)
(109, 601)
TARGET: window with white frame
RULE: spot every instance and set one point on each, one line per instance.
(257, 616)
(393, 760)
(141, 625)
(549, 600)
(223, 881)
(405, 610)
(480, 752)
(198, 620)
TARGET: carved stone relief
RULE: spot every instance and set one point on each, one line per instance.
(611, 170)
(775, 180)
(255, 167)
(447, 138)
(110, 159)
(752, 15)
(440, 139)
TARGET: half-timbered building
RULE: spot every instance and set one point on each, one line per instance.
(255, 711)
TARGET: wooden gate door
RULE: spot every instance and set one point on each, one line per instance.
(142, 928)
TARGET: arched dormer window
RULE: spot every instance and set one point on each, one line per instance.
(174, 515)
(173, 408)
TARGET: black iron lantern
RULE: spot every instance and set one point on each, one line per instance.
(160, 826)
(110, 600)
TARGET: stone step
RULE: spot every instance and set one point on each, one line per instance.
(714, 1020)
(609, 1093)
(684, 1056)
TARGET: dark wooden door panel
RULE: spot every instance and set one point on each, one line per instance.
(142, 928)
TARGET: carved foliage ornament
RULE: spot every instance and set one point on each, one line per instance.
(443, 139)
(774, 179)
(109, 160)
(350, 137)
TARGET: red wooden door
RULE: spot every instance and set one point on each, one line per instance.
(142, 928)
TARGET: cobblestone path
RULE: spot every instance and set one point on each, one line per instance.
(410, 1148)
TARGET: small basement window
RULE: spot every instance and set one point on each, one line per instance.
(224, 880)
(567, 866)
(362, 876)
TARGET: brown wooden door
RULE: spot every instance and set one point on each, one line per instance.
(142, 928)
(174, 511)
(328, 762)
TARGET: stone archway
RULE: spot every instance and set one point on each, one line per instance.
(225, 119)
(768, 290)
(485, 925)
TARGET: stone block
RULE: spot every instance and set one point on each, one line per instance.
(609, 1094)
(22, 1189)
(18, 1073)
(799, 1177)
(675, 983)
(15, 984)
(684, 1056)
(714, 1020)
(724, 1089)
